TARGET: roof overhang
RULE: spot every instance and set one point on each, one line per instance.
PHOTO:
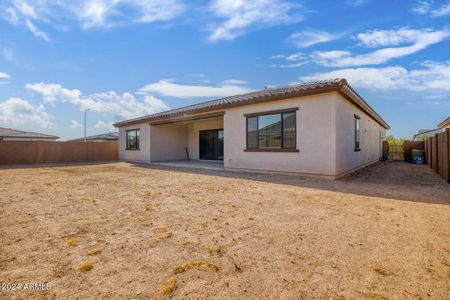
(187, 118)
(444, 123)
(189, 113)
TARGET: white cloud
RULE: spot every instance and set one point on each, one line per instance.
(74, 124)
(242, 15)
(422, 7)
(100, 13)
(441, 11)
(124, 106)
(16, 111)
(88, 13)
(4, 75)
(432, 76)
(296, 57)
(53, 92)
(309, 38)
(105, 126)
(234, 82)
(287, 66)
(420, 40)
(171, 89)
(294, 60)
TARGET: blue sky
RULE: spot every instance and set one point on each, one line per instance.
(124, 59)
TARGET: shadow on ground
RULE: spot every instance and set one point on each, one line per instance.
(391, 180)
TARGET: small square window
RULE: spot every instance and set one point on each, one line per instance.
(133, 137)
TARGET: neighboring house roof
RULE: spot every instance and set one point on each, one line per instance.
(426, 132)
(111, 136)
(268, 94)
(444, 123)
(19, 134)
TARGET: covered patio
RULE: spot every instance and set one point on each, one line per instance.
(190, 138)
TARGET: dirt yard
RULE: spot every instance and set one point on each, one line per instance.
(123, 231)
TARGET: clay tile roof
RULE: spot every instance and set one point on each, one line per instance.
(111, 136)
(444, 123)
(14, 133)
(267, 94)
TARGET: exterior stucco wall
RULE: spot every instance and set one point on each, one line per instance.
(193, 134)
(371, 137)
(168, 142)
(316, 137)
(141, 155)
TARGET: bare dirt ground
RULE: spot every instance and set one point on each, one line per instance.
(122, 231)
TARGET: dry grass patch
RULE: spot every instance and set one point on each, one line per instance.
(215, 250)
(72, 242)
(164, 232)
(160, 229)
(168, 286)
(198, 265)
(203, 224)
(86, 266)
(382, 270)
(93, 251)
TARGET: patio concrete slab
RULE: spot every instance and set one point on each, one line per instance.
(196, 164)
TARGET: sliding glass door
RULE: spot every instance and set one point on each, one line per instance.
(211, 144)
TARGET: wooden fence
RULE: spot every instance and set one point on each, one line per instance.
(437, 152)
(402, 152)
(410, 145)
(36, 152)
(396, 152)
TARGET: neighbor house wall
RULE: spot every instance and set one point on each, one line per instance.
(168, 142)
(316, 137)
(193, 134)
(371, 137)
(141, 155)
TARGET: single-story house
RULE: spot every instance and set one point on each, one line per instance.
(426, 133)
(104, 137)
(8, 134)
(444, 124)
(321, 129)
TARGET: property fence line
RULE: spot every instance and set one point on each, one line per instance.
(38, 152)
(437, 154)
(402, 152)
(410, 145)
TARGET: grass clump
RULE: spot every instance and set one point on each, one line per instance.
(382, 270)
(93, 251)
(167, 235)
(203, 224)
(72, 242)
(168, 286)
(215, 250)
(198, 265)
(86, 266)
(160, 229)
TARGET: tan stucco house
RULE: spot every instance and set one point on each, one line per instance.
(320, 129)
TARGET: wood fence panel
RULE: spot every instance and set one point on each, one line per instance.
(410, 145)
(443, 155)
(37, 152)
(433, 141)
(396, 152)
(102, 151)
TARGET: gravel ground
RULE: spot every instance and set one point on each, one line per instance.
(124, 231)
